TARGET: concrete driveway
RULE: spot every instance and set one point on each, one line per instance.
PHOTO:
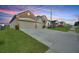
(60, 42)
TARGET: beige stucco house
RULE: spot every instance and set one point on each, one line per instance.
(27, 20)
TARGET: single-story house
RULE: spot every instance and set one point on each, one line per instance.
(55, 23)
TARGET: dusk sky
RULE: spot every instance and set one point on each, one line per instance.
(66, 12)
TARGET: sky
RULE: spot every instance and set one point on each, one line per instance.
(65, 13)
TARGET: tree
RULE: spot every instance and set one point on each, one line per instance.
(76, 23)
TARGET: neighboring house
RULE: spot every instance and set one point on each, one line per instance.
(51, 23)
(2, 25)
(55, 23)
(27, 20)
(61, 24)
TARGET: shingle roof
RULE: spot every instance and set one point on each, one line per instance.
(13, 18)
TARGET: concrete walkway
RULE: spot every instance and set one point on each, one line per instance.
(56, 41)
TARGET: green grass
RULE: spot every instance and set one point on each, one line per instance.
(65, 29)
(77, 29)
(15, 41)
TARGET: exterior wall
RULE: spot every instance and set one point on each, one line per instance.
(39, 23)
(48, 24)
(42, 21)
(28, 21)
(13, 24)
(26, 25)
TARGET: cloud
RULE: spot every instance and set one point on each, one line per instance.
(8, 11)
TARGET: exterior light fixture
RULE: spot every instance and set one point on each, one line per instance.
(28, 14)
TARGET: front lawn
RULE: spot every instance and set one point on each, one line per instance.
(65, 29)
(17, 41)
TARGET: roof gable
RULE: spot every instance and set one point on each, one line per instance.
(26, 14)
(13, 18)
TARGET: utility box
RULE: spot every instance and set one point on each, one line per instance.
(17, 27)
